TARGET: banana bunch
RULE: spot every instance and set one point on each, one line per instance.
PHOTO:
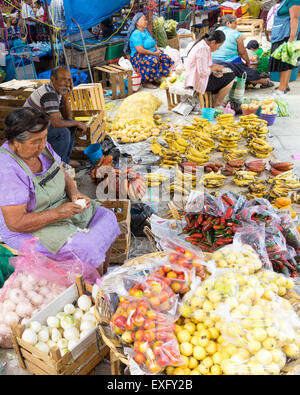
(202, 124)
(157, 148)
(260, 148)
(286, 181)
(231, 154)
(155, 179)
(175, 141)
(170, 159)
(225, 119)
(187, 131)
(213, 180)
(251, 120)
(244, 178)
(255, 131)
(177, 188)
(257, 189)
(195, 156)
(295, 197)
(202, 142)
(228, 140)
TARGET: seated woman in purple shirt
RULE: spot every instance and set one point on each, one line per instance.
(39, 199)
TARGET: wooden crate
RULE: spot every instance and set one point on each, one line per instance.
(250, 27)
(205, 100)
(88, 97)
(200, 30)
(39, 363)
(78, 59)
(121, 245)
(94, 134)
(113, 77)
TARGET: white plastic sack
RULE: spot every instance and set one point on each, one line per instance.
(136, 77)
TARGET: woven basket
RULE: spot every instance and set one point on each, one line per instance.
(103, 316)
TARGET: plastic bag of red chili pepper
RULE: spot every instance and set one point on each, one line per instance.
(201, 202)
(234, 200)
(289, 231)
(254, 235)
(183, 254)
(258, 214)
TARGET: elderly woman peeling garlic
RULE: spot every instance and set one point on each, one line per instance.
(39, 199)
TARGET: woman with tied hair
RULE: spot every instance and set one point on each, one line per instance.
(39, 199)
(145, 56)
(201, 74)
(233, 53)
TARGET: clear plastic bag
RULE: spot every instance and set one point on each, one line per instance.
(199, 202)
(254, 236)
(238, 256)
(182, 254)
(151, 333)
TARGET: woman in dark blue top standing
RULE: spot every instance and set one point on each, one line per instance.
(286, 27)
(145, 56)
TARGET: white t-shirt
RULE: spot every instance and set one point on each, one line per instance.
(27, 12)
(40, 13)
(270, 17)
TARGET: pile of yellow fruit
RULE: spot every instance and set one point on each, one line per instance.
(236, 323)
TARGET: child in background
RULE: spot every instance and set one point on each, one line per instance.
(254, 50)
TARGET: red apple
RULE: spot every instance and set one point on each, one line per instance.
(120, 321)
(139, 358)
(142, 310)
(176, 287)
(154, 300)
(149, 324)
(172, 274)
(139, 335)
(138, 320)
(173, 257)
(157, 346)
(151, 314)
(149, 336)
(153, 366)
(163, 296)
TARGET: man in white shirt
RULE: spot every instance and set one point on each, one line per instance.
(28, 16)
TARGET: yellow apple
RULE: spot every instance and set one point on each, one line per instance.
(183, 336)
(185, 310)
(253, 346)
(217, 358)
(199, 315)
(190, 327)
(207, 361)
(203, 369)
(263, 356)
(214, 333)
(230, 349)
(170, 370)
(193, 363)
(199, 353)
(259, 334)
(272, 369)
(269, 344)
(216, 370)
(186, 349)
(196, 301)
(291, 350)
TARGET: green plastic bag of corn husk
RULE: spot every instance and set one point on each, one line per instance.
(159, 32)
(5, 268)
(170, 27)
(283, 107)
(288, 52)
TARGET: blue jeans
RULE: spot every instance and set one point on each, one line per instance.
(62, 141)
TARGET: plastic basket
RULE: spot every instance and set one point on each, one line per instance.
(275, 76)
(94, 152)
(270, 118)
(250, 111)
(208, 113)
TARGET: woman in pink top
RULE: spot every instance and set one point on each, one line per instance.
(201, 74)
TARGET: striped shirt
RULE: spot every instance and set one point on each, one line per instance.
(45, 99)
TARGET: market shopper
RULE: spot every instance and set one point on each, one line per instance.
(53, 99)
(286, 28)
(29, 19)
(233, 53)
(38, 198)
(145, 56)
(201, 74)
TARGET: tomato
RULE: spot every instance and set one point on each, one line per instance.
(139, 358)
(149, 336)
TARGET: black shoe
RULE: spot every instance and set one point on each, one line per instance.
(288, 89)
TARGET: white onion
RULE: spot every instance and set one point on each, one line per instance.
(53, 322)
(15, 295)
(30, 336)
(43, 335)
(71, 333)
(36, 326)
(62, 343)
(35, 298)
(92, 310)
(81, 202)
(43, 347)
(60, 315)
(87, 325)
(8, 305)
(42, 283)
(84, 302)
(63, 351)
(24, 309)
(11, 317)
(69, 308)
(67, 321)
(27, 286)
(78, 313)
(56, 335)
(4, 330)
(44, 291)
(89, 317)
(31, 279)
(51, 343)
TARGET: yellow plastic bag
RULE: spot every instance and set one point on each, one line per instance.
(137, 109)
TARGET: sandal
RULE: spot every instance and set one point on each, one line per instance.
(287, 89)
(148, 85)
(268, 85)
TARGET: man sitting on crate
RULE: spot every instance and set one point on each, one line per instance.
(53, 99)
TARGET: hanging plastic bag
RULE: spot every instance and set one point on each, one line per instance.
(237, 91)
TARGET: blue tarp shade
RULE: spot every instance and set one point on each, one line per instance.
(89, 13)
